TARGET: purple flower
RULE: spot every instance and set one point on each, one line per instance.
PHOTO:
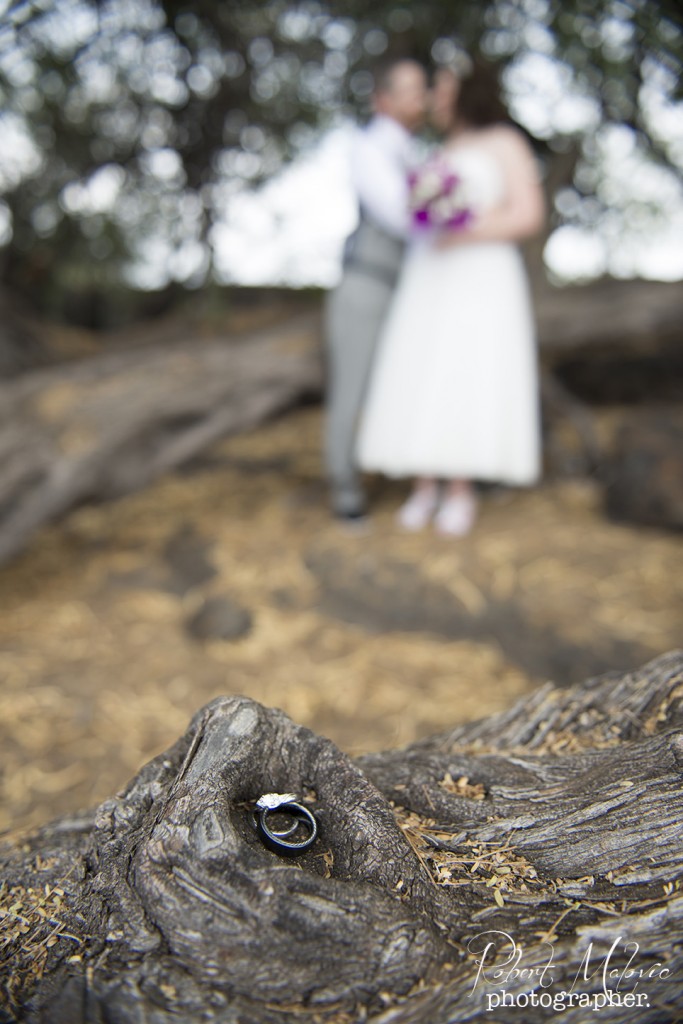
(450, 181)
(422, 218)
(436, 198)
(460, 219)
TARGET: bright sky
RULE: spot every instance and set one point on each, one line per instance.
(292, 232)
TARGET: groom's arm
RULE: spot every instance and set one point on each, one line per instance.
(380, 182)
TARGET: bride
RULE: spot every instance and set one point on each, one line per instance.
(453, 394)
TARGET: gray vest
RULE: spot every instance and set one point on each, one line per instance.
(373, 252)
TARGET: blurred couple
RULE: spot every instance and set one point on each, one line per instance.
(430, 334)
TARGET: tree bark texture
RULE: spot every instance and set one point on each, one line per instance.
(555, 826)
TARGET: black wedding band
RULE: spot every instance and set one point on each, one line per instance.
(278, 840)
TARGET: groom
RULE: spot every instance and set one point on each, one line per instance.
(381, 157)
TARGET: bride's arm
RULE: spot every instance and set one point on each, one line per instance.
(521, 214)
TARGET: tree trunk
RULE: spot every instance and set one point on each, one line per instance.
(20, 348)
(551, 832)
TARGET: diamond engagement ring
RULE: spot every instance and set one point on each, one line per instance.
(302, 826)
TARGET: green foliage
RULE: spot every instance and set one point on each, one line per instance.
(125, 119)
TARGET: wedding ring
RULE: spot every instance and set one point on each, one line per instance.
(278, 840)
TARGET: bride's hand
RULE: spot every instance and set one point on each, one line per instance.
(448, 239)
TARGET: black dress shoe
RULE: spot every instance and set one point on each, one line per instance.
(355, 521)
(349, 511)
(354, 515)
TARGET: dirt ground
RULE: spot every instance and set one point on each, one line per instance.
(373, 639)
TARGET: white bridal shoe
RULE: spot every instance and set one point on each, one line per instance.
(456, 515)
(418, 509)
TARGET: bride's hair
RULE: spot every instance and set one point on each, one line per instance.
(478, 101)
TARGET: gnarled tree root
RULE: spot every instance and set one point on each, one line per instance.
(548, 836)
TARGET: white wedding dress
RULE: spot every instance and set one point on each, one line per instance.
(453, 392)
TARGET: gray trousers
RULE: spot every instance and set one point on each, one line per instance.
(354, 314)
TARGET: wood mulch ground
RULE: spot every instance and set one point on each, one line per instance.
(374, 640)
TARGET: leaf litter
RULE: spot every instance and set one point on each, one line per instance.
(99, 673)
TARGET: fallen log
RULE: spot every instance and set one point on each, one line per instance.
(98, 428)
(535, 856)
(608, 316)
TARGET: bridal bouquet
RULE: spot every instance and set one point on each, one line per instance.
(437, 196)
